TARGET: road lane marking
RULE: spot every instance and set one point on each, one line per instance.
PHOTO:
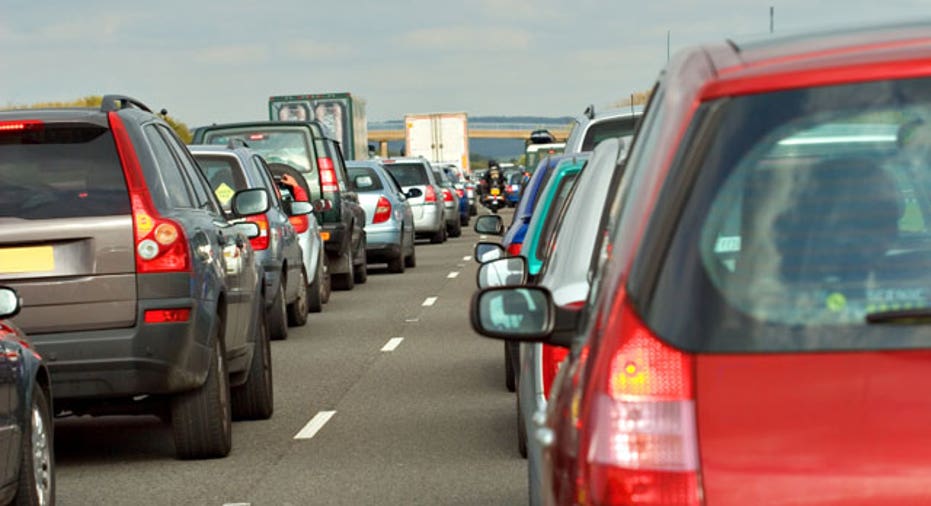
(467, 258)
(315, 424)
(392, 344)
(483, 237)
(429, 301)
(412, 320)
(237, 504)
(453, 275)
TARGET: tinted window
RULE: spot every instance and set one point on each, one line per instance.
(810, 217)
(276, 145)
(224, 175)
(364, 179)
(61, 171)
(408, 174)
(608, 129)
(261, 168)
(169, 174)
(555, 209)
(201, 195)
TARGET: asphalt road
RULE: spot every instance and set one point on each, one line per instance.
(427, 423)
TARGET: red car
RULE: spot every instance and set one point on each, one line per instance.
(759, 330)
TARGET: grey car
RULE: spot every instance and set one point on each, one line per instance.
(277, 251)
(429, 214)
(565, 273)
(450, 203)
(389, 221)
(592, 127)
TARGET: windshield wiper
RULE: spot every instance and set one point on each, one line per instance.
(920, 315)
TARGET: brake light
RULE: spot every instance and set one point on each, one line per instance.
(328, 180)
(429, 195)
(382, 211)
(638, 440)
(167, 315)
(260, 242)
(160, 243)
(21, 126)
(459, 192)
(447, 195)
(514, 249)
(300, 223)
(552, 357)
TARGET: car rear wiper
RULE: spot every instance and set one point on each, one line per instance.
(914, 316)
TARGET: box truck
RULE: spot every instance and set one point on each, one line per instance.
(343, 114)
(439, 137)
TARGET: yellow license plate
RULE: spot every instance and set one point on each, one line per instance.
(325, 236)
(495, 191)
(28, 259)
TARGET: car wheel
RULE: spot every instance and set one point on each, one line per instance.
(362, 270)
(297, 310)
(201, 420)
(439, 236)
(327, 287)
(396, 265)
(277, 314)
(411, 260)
(508, 368)
(456, 230)
(345, 280)
(315, 290)
(521, 429)
(37, 461)
(464, 220)
(254, 399)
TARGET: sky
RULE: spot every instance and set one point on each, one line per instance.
(207, 61)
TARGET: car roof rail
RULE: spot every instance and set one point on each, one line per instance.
(236, 142)
(117, 102)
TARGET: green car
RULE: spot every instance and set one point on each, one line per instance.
(552, 199)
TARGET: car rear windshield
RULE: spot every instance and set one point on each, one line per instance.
(409, 174)
(61, 171)
(276, 145)
(364, 179)
(808, 227)
(607, 129)
(224, 175)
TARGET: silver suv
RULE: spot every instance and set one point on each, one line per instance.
(429, 217)
(591, 128)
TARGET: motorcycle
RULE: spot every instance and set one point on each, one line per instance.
(494, 200)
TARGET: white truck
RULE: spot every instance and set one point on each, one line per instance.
(441, 137)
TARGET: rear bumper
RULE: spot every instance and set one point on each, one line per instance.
(432, 220)
(151, 359)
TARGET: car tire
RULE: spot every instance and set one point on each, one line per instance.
(346, 280)
(521, 428)
(315, 290)
(456, 229)
(297, 310)
(362, 270)
(327, 288)
(464, 220)
(37, 461)
(201, 420)
(508, 369)
(278, 315)
(254, 399)
(439, 236)
(396, 265)
(411, 260)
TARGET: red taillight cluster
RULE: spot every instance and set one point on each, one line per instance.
(429, 195)
(261, 241)
(160, 243)
(638, 444)
(514, 249)
(382, 211)
(447, 195)
(552, 358)
(328, 182)
(301, 223)
(461, 193)
(167, 315)
(21, 126)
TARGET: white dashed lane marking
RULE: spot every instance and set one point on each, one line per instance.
(315, 424)
(467, 258)
(429, 301)
(453, 275)
(392, 344)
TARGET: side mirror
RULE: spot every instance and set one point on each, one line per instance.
(512, 313)
(322, 205)
(490, 224)
(488, 251)
(300, 208)
(10, 303)
(250, 202)
(510, 271)
(413, 193)
(248, 229)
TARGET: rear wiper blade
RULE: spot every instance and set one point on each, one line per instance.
(920, 315)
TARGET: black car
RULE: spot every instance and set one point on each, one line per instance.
(305, 146)
(27, 474)
(140, 293)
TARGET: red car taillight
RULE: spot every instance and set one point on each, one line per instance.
(461, 193)
(429, 195)
(514, 249)
(160, 243)
(167, 315)
(447, 195)
(382, 211)
(638, 444)
(21, 126)
(328, 182)
(552, 357)
(300, 223)
(261, 242)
